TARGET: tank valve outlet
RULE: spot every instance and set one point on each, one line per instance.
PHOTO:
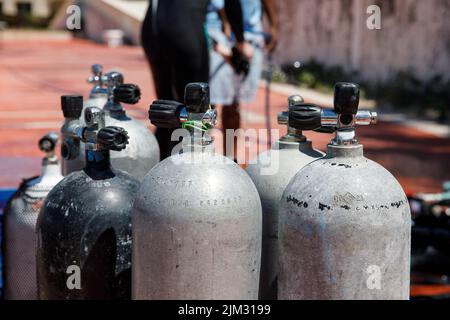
(345, 116)
(72, 107)
(47, 144)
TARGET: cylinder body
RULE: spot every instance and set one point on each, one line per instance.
(196, 231)
(271, 173)
(141, 154)
(85, 223)
(345, 231)
(19, 240)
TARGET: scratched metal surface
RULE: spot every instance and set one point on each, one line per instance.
(349, 218)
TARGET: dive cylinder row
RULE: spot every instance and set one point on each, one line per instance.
(112, 222)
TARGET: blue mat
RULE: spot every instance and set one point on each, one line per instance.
(5, 194)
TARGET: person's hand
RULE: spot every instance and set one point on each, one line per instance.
(226, 28)
(246, 49)
(272, 42)
(223, 50)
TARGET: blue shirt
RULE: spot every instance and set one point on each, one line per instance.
(251, 14)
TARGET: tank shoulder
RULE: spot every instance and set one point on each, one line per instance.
(345, 184)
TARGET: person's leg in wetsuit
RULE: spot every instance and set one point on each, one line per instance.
(176, 48)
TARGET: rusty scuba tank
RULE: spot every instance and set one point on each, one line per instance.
(84, 227)
(197, 215)
(345, 224)
(20, 222)
(272, 171)
(142, 153)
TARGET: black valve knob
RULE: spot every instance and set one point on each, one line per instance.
(165, 113)
(127, 93)
(48, 143)
(196, 97)
(72, 106)
(113, 138)
(304, 116)
(346, 98)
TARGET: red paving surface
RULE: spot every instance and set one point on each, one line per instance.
(34, 74)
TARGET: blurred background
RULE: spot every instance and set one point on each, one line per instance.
(403, 69)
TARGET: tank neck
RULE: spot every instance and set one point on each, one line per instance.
(198, 141)
(345, 151)
(49, 164)
(304, 145)
(293, 135)
(190, 145)
(113, 107)
(49, 171)
(116, 114)
(98, 93)
(98, 161)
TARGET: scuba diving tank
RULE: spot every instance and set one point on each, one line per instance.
(344, 220)
(76, 160)
(197, 216)
(84, 227)
(272, 171)
(99, 93)
(20, 222)
(142, 152)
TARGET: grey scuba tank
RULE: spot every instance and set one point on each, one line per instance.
(197, 215)
(19, 269)
(271, 173)
(142, 153)
(84, 227)
(345, 223)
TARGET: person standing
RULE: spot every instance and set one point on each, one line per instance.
(175, 43)
(230, 86)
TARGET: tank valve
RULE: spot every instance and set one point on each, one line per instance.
(345, 115)
(195, 113)
(98, 80)
(72, 107)
(283, 117)
(119, 92)
(48, 144)
(300, 116)
(98, 137)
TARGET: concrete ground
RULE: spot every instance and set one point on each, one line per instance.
(34, 74)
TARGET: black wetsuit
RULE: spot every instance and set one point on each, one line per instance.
(174, 40)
